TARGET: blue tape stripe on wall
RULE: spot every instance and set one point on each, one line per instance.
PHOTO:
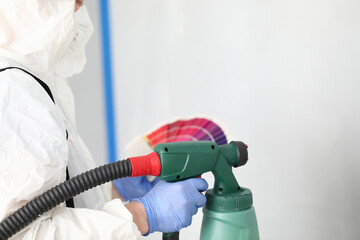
(107, 75)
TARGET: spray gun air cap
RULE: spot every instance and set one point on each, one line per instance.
(242, 152)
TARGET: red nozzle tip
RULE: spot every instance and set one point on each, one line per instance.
(146, 165)
(246, 146)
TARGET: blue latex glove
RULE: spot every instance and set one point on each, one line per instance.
(170, 206)
(134, 187)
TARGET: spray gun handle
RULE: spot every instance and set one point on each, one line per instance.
(184, 160)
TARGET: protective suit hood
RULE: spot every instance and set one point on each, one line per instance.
(46, 37)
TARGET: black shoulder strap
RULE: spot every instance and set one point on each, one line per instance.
(46, 87)
(70, 202)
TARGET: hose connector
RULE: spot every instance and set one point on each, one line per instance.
(146, 165)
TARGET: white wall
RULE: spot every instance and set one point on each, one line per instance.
(282, 75)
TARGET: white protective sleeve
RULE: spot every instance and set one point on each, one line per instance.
(33, 158)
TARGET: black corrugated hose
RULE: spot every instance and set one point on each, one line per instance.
(60, 193)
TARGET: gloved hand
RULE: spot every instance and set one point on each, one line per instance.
(170, 206)
(134, 187)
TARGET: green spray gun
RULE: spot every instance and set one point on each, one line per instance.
(228, 213)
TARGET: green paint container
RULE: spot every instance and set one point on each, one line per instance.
(229, 216)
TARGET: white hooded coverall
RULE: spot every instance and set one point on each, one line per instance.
(46, 38)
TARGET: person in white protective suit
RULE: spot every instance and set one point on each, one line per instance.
(45, 39)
